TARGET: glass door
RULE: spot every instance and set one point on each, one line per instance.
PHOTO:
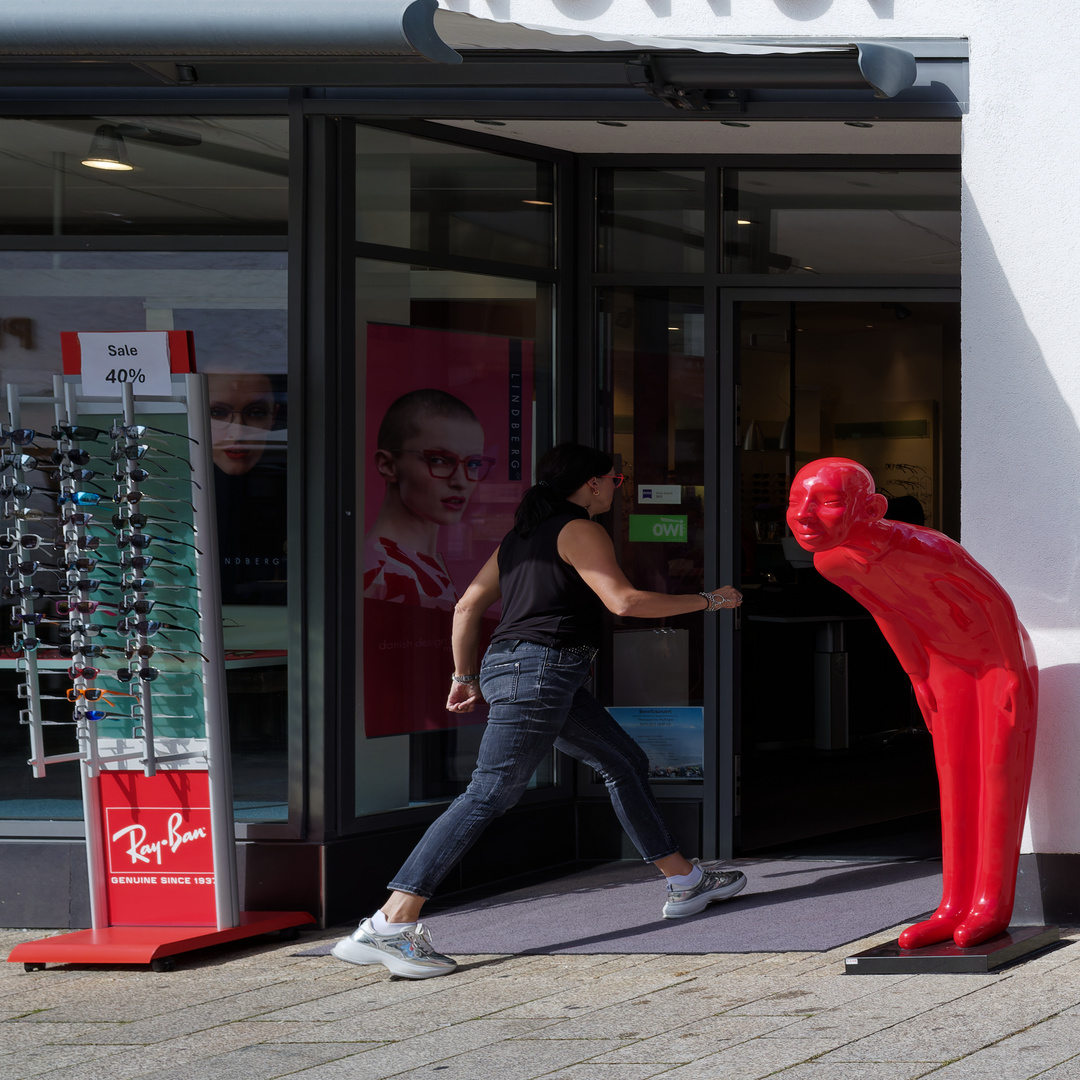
(833, 756)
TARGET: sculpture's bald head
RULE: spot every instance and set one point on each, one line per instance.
(830, 499)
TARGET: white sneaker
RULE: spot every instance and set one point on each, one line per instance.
(408, 953)
(714, 885)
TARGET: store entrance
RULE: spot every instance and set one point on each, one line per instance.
(832, 756)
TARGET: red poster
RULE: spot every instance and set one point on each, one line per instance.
(159, 855)
(448, 455)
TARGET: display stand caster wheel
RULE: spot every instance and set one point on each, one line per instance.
(163, 963)
(33, 967)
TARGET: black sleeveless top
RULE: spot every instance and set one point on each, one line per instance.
(544, 599)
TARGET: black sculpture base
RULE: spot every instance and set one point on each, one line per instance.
(890, 959)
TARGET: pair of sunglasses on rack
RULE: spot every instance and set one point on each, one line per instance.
(144, 607)
(18, 436)
(23, 592)
(82, 607)
(86, 693)
(135, 451)
(25, 541)
(77, 649)
(142, 540)
(145, 584)
(93, 498)
(144, 562)
(140, 521)
(144, 650)
(26, 567)
(11, 490)
(149, 627)
(96, 715)
(116, 431)
(29, 618)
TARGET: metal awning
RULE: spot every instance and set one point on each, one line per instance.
(199, 29)
(362, 43)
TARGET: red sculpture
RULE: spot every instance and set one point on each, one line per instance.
(955, 631)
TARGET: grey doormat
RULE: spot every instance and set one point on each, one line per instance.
(788, 905)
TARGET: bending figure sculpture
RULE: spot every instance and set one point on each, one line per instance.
(955, 631)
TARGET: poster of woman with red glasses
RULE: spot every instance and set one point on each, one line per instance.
(448, 449)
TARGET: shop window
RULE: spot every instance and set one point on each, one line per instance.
(652, 342)
(818, 221)
(453, 376)
(650, 220)
(235, 303)
(449, 200)
(134, 176)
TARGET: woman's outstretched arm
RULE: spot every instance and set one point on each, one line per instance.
(588, 549)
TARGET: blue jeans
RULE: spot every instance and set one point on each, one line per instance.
(536, 701)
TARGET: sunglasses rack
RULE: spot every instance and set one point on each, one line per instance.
(132, 630)
(137, 646)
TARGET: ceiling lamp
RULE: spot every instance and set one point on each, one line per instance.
(107, 151)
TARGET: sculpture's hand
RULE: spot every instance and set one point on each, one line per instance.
(927, 702)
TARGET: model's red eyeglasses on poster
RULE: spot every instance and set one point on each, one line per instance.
(442, 465)
(615, 478)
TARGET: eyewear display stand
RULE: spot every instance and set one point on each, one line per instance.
(137, 668)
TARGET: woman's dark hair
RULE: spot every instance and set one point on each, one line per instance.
(559, 473)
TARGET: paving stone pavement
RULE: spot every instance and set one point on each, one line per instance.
(259, 1011)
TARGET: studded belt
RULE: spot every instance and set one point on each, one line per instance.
(588, 651)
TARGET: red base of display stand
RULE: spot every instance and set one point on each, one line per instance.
(154, 945)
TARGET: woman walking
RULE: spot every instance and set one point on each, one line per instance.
(555, 572)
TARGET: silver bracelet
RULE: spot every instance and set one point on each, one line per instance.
(465, 678)
(714, 603)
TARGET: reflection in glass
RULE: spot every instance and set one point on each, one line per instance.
(652, 342)
(650, 219)
(836, 743)
(235, 304)
(453, 200)
(881, 221)
(221, 175)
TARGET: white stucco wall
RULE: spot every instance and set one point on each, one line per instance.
(1021, 254)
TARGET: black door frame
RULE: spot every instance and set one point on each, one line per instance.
(727, 483)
